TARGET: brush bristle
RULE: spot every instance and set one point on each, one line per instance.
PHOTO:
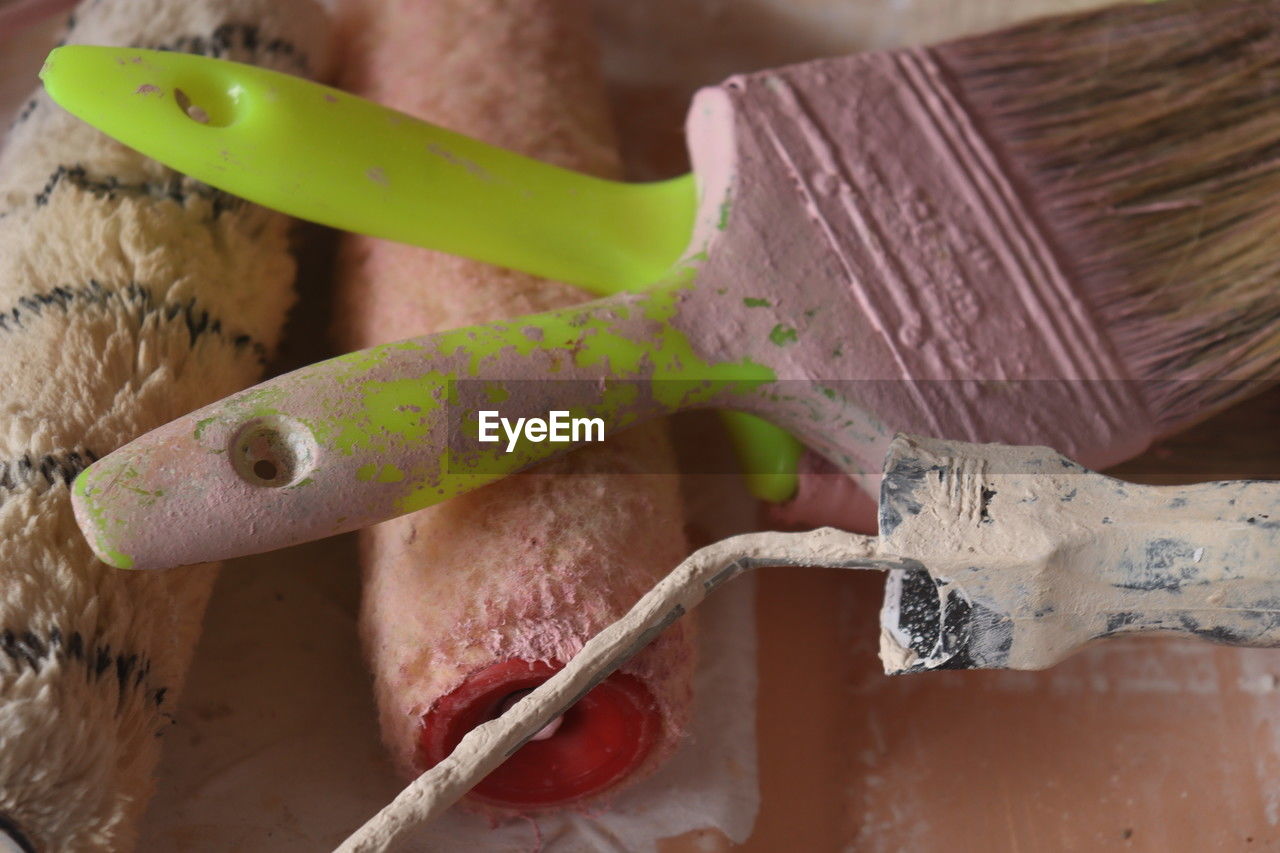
(1147, 140)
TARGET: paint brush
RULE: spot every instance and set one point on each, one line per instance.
(932, 240)
(468, 604)
(998, 557)
(128, 294)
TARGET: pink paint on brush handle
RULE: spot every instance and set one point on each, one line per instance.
(469, 603)
(343, 443)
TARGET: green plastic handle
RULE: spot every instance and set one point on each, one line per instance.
(768, 454)
(321, 154)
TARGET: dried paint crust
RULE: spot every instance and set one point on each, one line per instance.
(1028, 556)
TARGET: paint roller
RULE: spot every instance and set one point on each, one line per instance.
(128, 294)
(997, 557)
(469, 604)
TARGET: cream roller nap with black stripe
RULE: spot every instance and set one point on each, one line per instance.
(129, 295)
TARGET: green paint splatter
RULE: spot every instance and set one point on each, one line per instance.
(392, 412)
(634, 339)
(783, 335)
(723, 222)
(756, 302)
(98, 516)
(379, 474)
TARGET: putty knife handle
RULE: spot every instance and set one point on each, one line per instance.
(1201, 560)
(1030, 556)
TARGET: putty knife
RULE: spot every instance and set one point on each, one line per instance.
(998, 557)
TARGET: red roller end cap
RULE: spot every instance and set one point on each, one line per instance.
(598, 743)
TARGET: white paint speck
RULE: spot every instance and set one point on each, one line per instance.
(1259, 685)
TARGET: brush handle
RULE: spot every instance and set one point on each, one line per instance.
(324, 155)
(385, 431)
